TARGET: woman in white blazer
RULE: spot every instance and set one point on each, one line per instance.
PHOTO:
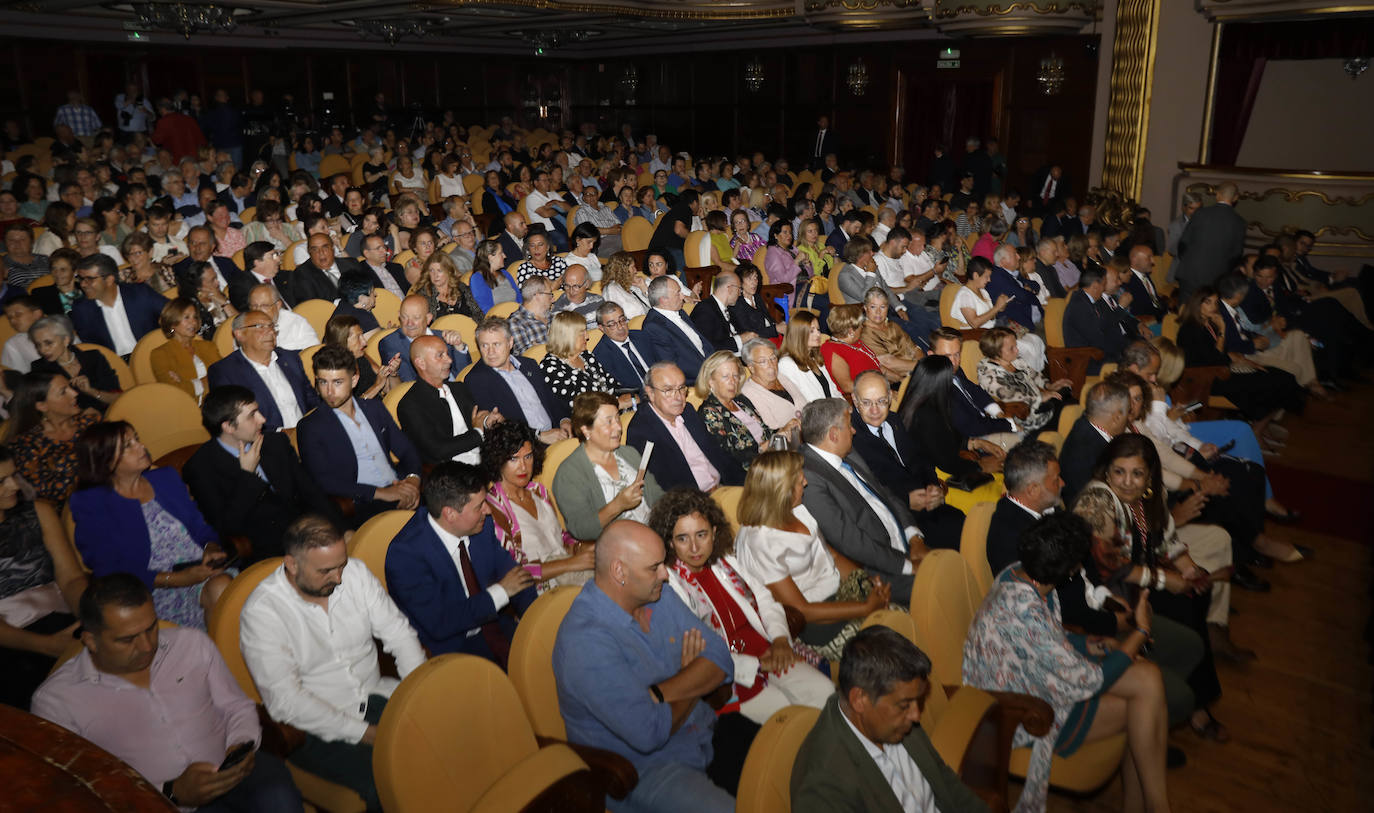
(800, 366)
(770, 673)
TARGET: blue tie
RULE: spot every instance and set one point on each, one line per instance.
(877, 497)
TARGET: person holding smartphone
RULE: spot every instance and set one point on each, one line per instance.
(200, 748)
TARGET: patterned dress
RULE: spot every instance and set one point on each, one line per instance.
(1020, 385)
(567, 381)
(731, 433)
(533, 540)
(50, 465)
(1017, 643)
(172, 543)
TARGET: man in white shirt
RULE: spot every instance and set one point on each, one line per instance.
(547, 208)
(19, 353)
(276, 377)
(307, 637)
(872, 723)
(293, 330)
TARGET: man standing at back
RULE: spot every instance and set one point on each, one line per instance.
(1214, 236)
(632, 665)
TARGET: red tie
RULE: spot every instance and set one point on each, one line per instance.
(491, 630)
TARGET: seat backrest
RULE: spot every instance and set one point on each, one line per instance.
(372, 539)
(387, 311)
(450, 730)
(903, 623)
(696, 250)
(942, 605)
(223, 622)
(947, 295)
(165, 416)
(727, 497)
(1169, 327)
(553, 458)
(969, 356)
(288, 257)
(637, 322)
(536, 352)
(503, 310)
(224, 338)
(307, 357)
(1068, 416)
(636, 233)
(316, 312)
(126, 376)
(765, 783)
(39, 282)
(462, 323)
(531, 660)
(973, 544)
(900, 394)
(1054, 321)
(140, 360)
(392, 400)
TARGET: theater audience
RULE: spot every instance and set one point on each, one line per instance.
(415, 319)
(730, 417)
(275, 375)
(111, 313)
(439, 416)
(307, 633)
(570, 368)
(1005, 380)
(801, 367)
(685, 451)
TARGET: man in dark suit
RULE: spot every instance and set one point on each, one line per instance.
(1145, 301)
(390, 276)
(1214, 236)
(978, 164)
(1033, 484)
(1088, 322)
(881, 673)
(856, 512)
(239, 195)
(712, 316)
(890, 451)
(200, 247)
(318, 277)
(275, 376)
(1104, 417)
(974, 413)
(514, 385)
(263, 263)
(684, 452)
(670, 334)
(450, 576)
(512, 238)
(822, 143)
(1024, 308)
(415, 317)
(248, 483)
(621, 351)
(439, 416)
(334, 202)
(348, 443)
(113, 314)
(1046, 252)
(1047, 187)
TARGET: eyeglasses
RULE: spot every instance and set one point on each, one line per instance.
(765, 361)
(82, 279)
(678, 390)
(866, 403)
(262, 326)
(87, 232)
(621, 322)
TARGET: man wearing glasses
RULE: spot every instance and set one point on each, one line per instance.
(621, 351)
(113, 314)
(684, 452)
(576, 296)
(274, 375)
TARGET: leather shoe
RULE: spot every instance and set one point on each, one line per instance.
(1291, 516)
(1223, 647)
(1247, 580)
(1259, 560)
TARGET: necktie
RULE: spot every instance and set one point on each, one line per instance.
(820, 139)
(634, 362)
(491, 631)
(880, 500)
(885, 431)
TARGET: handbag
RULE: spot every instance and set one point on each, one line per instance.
(970, 481)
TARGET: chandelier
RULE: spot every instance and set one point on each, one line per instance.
(391, 31)
(186, 20)
(753, 75)
(630, 81)
(858, 78)
(1356, 66)
(1051, 75)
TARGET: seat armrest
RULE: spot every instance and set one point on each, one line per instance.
(612, 771)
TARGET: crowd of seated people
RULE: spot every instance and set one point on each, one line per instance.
(816, 392)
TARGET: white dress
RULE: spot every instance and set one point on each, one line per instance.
(634, 303)
(590, 262)
(770, 555)
(541, 540)
(1030, 346)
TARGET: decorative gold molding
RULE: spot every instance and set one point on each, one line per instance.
(1303, 174)
(695, 11)
(1289, 195)
(1128, 106)
(1090, 7)
(1204, 146)
(858, 5)
(1254, 11)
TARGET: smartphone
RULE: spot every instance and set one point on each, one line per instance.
(536, 570)
(189, 563)
(237, 755)
(1193, 407)
(1226, 447)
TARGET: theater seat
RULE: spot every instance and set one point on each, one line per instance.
(766, 779)
(454, 737)
(503, 310)
(316, 312)
(140, 360)
(126, 376)
(973, 545)
(165, 417)
(554, 455)
(370, 542)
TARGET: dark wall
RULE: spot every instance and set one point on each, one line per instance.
(695, 101)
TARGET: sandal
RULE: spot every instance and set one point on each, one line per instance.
(1211, 730)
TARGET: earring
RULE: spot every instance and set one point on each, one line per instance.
(1149, 492)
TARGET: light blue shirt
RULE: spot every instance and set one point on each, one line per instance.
(603, 665)
(530, 405)
(374, 468)
(234, 453)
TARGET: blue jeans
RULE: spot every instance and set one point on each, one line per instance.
(674, 788)
(1247, 445)
(268, 789)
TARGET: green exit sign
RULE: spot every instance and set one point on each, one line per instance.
(949, 53)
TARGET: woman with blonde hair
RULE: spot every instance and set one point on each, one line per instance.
(184, 361)
(801, 367)
(622, 284)
(779, 544)
(569, 367)
(441, 286)
(729, 416)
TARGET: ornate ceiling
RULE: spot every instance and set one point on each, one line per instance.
(568, 27)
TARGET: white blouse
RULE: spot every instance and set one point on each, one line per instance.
(803, 384)
(771, 555)
(979, 302)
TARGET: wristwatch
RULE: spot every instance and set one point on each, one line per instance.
(653, 687)
(167, 791)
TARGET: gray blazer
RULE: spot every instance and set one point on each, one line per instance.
(854, 283)
(579, 496)
(850, 526)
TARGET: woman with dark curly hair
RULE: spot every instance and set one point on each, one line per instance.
(526, 524)
(703, 570)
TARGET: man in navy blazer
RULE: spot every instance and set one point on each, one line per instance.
(892, 454)
(623, 352)
(686, 454)
(138, 306)
(353, 460)
(415, 317)
(514, 385)
(259, 359)
(670, 334)
(711, 316)
(1024, 308)
(975, 414)
(318, 278)
(1091, 321)
(450, 576)
(200, 247)
(1145, 300)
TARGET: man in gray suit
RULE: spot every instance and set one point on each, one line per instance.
(856, 512)
(1213, 238)
(860, 274)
